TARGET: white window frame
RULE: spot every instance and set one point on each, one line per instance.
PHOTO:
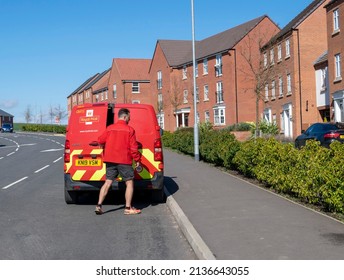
(336, 20)
(287, 48)
(185, 76)
(266, 92)
(265, 55)
(288, 84)
(205, 66)
(218, 65)
(219, 92)
(114, 91)
(273, 90)
(219, 116)
(280, 86)
(206, 92)
(337, 59)
(267, 115)
(272, 57)
(185, 96)
(207, 116)
(135, 88)
(279, 52)
(159, 81)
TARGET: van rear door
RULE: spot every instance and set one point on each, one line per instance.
(86, 124)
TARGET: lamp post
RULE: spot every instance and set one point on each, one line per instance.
(196, 140)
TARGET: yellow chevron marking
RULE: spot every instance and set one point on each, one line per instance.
(97, 176)
(69, 164)
(96, 151)
(78, 175)
(148, 154)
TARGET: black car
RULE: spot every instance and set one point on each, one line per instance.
(6, 127)
(325, 133)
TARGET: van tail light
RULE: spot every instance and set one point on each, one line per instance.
(67, 151)
(332, 135)
(157, 150)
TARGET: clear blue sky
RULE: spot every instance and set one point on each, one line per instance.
(49, 47)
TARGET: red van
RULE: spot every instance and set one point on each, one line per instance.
(84, 169)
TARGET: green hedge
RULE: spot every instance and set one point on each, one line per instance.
(44, 128)
(313, 174)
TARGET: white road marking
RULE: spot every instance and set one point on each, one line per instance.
(56, 160)
(42, 168)
(16, 182)
(10, 154)
(51, 150)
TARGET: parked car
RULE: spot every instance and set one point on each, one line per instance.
(325, 133)
(7, 127)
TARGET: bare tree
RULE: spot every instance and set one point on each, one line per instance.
(259, 73)
(60, 113)
(28, 114)
(176, 94)
(51, 113)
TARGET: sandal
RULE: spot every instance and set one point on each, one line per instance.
(99, 210)
(131, 211)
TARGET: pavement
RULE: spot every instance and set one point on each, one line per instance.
(227, 218)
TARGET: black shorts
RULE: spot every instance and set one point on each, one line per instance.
(125, 170)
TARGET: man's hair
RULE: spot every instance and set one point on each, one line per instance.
(123, 112)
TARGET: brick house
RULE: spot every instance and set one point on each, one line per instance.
(129, 81)
(335, 39)
(224, 92)
(291, 94)
(5, 118)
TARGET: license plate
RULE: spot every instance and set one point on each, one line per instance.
(88, 162)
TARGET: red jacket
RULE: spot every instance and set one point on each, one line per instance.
(120, 143)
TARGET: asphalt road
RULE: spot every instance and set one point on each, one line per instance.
(36, 223)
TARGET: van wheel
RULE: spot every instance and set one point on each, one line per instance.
(158, 196)
(71, 197)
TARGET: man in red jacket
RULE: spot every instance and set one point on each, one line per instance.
(120, 149)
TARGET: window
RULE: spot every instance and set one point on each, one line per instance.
(80, 98)
(288, 84)
(337, 67)
(206, 92)
(266, 92)
(272, 57)
(185, 100)
(323, 78)
(267, 115)
(219, 116)
(218, 65)
(279, 52)
(184, 72)
(207, 116)
(197, 94)
(205, 66)
(114, 91)
(101, 96)
(106, 95)
(265, 59)
(135, 87)
(219, 92)
(336, 20)
(159, 81)
(287, 48)
(273, 90)
(160, 102)
(280, 86)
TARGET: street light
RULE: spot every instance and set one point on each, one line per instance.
(196, 141)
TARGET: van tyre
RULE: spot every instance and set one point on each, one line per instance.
(158, 196)
(71, 197)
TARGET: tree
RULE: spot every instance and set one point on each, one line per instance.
(28, 114)
(60, 113)
(260, 74)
